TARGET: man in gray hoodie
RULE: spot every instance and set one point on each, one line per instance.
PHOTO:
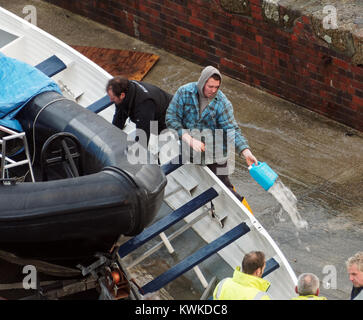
(202, 105)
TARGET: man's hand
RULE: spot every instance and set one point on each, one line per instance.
(194, 143)
(250, 158)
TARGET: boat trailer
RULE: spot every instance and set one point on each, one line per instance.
(109, 275)
(106, 275)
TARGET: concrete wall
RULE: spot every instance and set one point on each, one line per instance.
(280, 46)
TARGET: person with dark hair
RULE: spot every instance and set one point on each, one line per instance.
(201, 107)
(141, 102)
(245, 285)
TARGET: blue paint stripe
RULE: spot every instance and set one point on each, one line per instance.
(100, 104)
(195, 258)
(51, 66)
(172, 165)
(271, 265)
(167, 221)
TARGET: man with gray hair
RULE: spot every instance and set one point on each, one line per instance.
(308, 287)
(355, 272)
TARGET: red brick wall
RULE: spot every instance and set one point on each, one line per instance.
(289, 62)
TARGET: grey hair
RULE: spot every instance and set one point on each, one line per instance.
(307, 283)
(356, 259)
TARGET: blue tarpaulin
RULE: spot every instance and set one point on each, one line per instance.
(19, 83)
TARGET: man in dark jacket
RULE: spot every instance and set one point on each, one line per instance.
(355, 271)
(141, 102)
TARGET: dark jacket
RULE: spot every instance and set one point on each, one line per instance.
(355, 292)
(143, 103)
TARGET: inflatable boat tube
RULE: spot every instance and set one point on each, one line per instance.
(74, 218)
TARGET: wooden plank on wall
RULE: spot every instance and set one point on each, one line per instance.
(131, 64)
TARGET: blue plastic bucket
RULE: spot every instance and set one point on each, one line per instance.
(263, 175)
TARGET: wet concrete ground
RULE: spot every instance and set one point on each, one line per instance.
(320, 160)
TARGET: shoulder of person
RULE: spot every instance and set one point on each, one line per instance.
(222, 102)
(359, 296)
(191, 87)
(222, 97)
(143, 86)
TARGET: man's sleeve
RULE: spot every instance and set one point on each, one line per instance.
(144, 114)
(229, 124)
(119, 117)
(174, 113)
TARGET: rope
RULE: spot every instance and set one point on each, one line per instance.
(42, 266)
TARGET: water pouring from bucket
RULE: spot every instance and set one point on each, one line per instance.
(269, 180)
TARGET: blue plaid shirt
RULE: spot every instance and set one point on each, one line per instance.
(183, 113)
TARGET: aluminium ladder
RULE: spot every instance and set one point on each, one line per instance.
(6, 162)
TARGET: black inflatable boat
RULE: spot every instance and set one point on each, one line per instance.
(86, 192)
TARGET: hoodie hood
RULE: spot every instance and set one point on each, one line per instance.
(206, 73)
